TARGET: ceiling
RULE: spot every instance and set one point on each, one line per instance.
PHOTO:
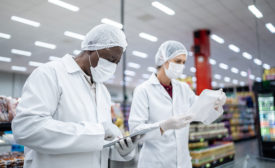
(229, 19)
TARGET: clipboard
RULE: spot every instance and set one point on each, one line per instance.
(132, 136)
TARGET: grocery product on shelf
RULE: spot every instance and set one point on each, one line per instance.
(208, 145)
(7, 108)
(12, 160)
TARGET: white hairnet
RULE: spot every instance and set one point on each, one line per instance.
(169, 50)
(104, 36)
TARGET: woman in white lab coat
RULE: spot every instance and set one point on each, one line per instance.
(64, 116)
(163, 101)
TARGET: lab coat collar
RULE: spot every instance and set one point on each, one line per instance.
(154, 80)
(70, 64)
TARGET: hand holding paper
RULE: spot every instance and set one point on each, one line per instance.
(175, 122)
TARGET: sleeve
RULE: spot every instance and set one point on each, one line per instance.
(35, 128)
(139, 115)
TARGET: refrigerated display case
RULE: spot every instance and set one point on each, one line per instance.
(265, 96)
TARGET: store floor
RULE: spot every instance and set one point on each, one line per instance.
(246, 157)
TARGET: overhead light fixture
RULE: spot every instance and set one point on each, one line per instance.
(21, 52)
(234, 70)
(234, 48)
(193, 69)
(257, 61)
(214, 84)
(152, 69)
(19, 68)
(111, 22)
(235, 81)
(226, 79)
(74, 35)
(258, 79)
(76, 52)
(5, 59)
(194, 79)
(190, 53)
(243, 73)
(140, 54)
(5, 36)
(64, 5)
(223, 66)
(242, 83)
(146, 76)
(148, 37)
(252, 77)
(217, 38)
(45, 45)
(35, 64)
(212, 61)
(255, 11)
(163, 8)
(270, 27)
(247, 55)
(25, 21)
(129, 73)
(54, 58)
(266, 66)
(133, 65)
(217, 76)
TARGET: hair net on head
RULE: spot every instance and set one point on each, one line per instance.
(104, 36)
(169, 50)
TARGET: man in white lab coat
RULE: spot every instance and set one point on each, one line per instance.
(63, 118)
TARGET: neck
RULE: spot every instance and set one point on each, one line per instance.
(162, 77)
(83, 63)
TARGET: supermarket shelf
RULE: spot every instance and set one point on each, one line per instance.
(5, 126)
(216, 163)
(244, 139)
(216, 138)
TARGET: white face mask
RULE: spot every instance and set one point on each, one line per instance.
(103, 71)
(174, 70)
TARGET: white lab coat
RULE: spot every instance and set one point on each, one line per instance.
(55, 121)
(152, 104)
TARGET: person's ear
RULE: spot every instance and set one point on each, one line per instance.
(166, 65)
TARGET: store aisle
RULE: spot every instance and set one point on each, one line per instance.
(246, 157)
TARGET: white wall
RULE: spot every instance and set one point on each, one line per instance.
(11, 84)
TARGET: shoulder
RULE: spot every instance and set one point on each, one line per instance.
(143, 87)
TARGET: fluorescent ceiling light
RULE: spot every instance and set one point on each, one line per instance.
(214, 84)
(257, 61)
(194, 79)
(5, 59)
(146, 76)
(25, 21)
(242, 83)
(18, 68)
(243, 73)
(148, 37)
(234, 48)
(76, 52)
(234, 70)
(163, 8)
(193, 69)
(45, 45)
(111, 22)
(217, 38)
(266, 66)
(226, 79)
(255, 11)
(190, 53)
(235, 81)
(64, 5)
(129, 73)
(252, 77)
(247, 55)
(217, 76)
(133, 65)
(152, 69)
(212, 61)
(140, 54)
(223, 66)
(74, 35)
(258, 79)
(270, 27)
(21, 52)
(54, 58)
(5, 36)
(35, 64)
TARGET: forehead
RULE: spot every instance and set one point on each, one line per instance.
(181, 56)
